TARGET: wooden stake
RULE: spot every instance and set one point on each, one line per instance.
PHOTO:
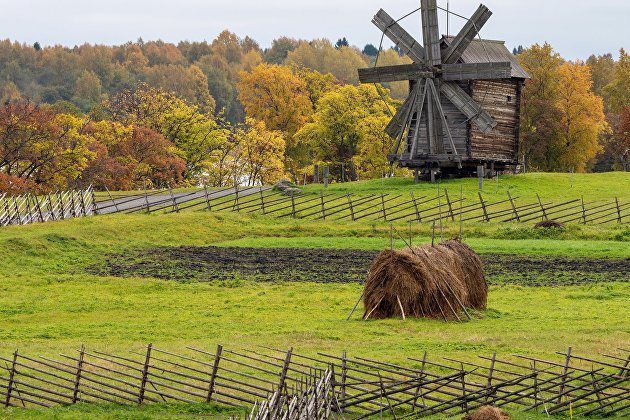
(516, 216)
(77, 378)
(12, 372)
(544, 212)
(402, 311)
(145, 374)
(213, 376)
(205, 192)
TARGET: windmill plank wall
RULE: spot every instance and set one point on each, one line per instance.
(502, 142)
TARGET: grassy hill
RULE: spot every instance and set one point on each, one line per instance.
(50, 301)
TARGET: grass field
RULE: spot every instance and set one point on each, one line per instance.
(50, 303)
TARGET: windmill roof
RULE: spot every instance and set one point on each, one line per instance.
(490, 51)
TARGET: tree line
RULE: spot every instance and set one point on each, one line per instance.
(227, 111)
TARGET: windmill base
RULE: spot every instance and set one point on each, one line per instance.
(451, 166)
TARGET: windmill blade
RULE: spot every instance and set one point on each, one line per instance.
(477, 71)
(399, 36)
(400, 118)
(419, 107)
(394, 73)
(431, 31)
(442, 116)
(466, 35)
(413, 97)
(468, 106)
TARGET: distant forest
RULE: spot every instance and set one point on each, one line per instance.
(229, 111)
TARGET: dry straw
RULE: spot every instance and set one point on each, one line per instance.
(428, 281)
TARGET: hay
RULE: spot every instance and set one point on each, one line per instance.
(474, 278)
(549, 224)
(427, 281)
(487, 412)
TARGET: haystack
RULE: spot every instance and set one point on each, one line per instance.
(427, 281)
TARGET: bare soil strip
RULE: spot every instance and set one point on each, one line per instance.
(339, 266)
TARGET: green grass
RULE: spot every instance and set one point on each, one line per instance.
(49, 304)
(550, 186)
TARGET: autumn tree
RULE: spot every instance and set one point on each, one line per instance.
(582, 118)
(322, 56)
(87, 90)
(278, 97)
(196, 134)
(262, 153)
(40, 145)
(540, 118)
(618, 90)
(280, 49)
(348, 128)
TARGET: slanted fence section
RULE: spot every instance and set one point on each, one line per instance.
(30, 208)
(388, 207)
(274, 384)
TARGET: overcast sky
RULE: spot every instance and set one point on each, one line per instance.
(575, 28)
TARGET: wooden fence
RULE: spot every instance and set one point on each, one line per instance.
(278, 384)
(382, 207)
(29, 208)
(388, 207)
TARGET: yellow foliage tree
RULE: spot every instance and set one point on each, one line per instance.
(262, 153)
(322, 56)
(389, 57)
(582, 117)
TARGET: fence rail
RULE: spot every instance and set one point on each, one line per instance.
(283, 384)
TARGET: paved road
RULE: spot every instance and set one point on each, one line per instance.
(164, 200)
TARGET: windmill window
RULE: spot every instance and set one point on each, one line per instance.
(509, 99)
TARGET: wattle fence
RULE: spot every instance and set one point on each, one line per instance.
(274, 384)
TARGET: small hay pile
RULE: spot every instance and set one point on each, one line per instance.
(428, 281)
(549, 224)
(487, 412)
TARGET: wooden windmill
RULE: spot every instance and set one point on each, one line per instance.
(464, 102)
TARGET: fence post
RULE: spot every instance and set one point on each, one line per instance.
(491, 372)
(350, 206)
(205, 191)
(544, 213)
(618, 210)
(483, 207)
(326, 175)
(146, 197)
(415, 205)
(383, 207)
(564, 375)
(316, 174)
(323, 206)
(450, 206)
(213, 376)
(112, 198)
(283, 374)
(262, 200)
(175, 206)
(344, 373)
(28, 208)
(236, 206)
(61, 205)
(518, 218)
(293, 204)
(82, 202)
(39, 209)
(77, 379)
(583, 211)
(7, 401)
(94, 206)
(74, 205)
(145, 374)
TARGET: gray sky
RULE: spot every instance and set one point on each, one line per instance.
(575, 28)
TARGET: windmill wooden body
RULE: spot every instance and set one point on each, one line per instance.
(463, 108)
